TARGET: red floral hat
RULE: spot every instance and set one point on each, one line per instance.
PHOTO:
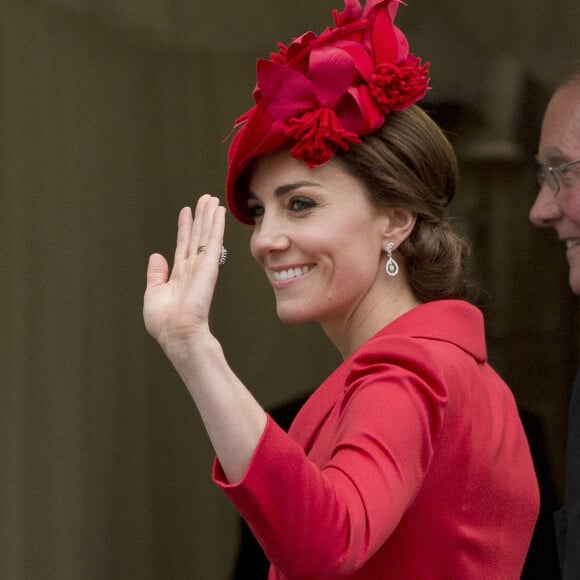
(324, 91)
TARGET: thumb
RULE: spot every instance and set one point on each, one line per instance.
(157, 271)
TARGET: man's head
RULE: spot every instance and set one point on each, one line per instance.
(557, 204)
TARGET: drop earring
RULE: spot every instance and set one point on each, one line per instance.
(391, 266)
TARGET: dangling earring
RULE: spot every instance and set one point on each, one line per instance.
(391, 266)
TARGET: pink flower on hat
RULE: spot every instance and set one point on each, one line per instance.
(323, 92)
(316, 98)
(399, 79)
(317, 133)
(398, 86)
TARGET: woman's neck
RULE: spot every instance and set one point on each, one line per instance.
(369, 317)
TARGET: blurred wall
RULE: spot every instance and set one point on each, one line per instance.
(112, 117)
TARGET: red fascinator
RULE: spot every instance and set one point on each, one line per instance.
(323, 92)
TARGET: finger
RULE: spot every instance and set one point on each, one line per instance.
(196, 232)
(204, 213)
(213, 229)
(216, 233)
(157, 271)
(184, 222)
(205, 270)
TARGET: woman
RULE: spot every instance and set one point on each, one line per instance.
(410, 460)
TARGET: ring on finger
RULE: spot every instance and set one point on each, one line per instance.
(223, 256)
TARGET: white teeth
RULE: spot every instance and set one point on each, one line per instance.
(572, 243)
(291, 273)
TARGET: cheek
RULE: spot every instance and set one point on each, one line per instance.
(254, 246)
(571, 206)
(358, 260)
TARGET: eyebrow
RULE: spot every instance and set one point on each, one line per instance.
(552, 156)
(282, 190)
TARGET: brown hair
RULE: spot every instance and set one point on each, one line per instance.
(409, 163)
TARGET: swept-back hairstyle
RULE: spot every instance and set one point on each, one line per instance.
(409, 163)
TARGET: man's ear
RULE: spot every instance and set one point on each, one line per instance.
(399, 224)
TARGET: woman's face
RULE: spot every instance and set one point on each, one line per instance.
(317, 237)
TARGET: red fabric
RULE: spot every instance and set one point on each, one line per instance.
(314, 96)
(409, 462)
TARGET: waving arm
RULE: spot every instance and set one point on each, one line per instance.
(176, 311)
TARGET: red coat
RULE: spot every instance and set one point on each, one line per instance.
(409, 462)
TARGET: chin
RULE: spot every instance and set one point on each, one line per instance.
(575, 283)
(293, 315)
(293, 319)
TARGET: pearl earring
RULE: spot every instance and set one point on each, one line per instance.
(391, 266)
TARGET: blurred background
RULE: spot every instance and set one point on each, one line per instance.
(113, 115)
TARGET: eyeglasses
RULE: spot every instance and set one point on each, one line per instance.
(549, 175)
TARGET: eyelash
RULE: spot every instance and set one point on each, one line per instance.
(295, 205)
(255, 211)
(304, 204)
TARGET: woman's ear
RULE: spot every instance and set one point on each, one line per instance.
(398, 225)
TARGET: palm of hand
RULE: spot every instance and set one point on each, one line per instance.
(176, 305)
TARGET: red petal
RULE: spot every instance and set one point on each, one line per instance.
(285, 92)
(384, 41)
(332, 71)
(352, 11)
(359, 112)
(362, 58)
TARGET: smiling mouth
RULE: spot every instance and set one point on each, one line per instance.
(291, 273)
(572, 243)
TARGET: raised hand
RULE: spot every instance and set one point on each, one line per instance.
(176, 306)
(176, 309)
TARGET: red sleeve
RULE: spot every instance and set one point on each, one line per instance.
(314, 521)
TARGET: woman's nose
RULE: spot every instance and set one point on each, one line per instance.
(546, 208)
(268, 236)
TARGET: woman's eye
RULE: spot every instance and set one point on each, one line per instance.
(255, 211)
(301, 204)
